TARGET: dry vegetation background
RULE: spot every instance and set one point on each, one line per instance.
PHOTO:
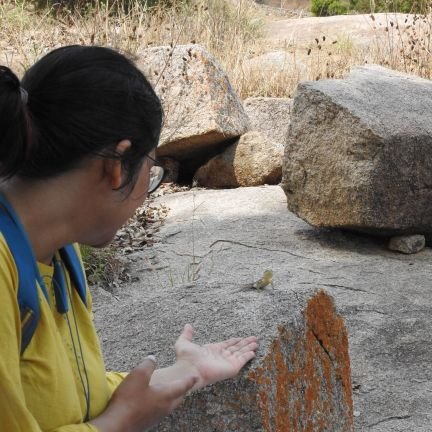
(232, 30)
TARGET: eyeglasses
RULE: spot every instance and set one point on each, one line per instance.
(157, 174)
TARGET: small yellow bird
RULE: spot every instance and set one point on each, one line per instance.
(266, 280)
(260, 284)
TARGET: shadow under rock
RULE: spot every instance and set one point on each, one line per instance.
(345, 240)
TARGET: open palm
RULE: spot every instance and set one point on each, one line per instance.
(214, 362)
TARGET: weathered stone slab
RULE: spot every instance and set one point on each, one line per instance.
(270, 116)
(201, 108)
(303, 382)
(359, 153)
(252, 161)
(300, 380)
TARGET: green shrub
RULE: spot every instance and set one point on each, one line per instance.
(404, 6)
(329, 7)
(340, 7)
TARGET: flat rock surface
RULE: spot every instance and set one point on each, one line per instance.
(360, 29)
(227, 238)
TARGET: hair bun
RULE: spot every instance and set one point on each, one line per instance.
(8, 77)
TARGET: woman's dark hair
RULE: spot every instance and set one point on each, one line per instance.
(74, 103)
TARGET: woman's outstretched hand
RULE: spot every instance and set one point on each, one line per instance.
(214, 362)
(147, 395)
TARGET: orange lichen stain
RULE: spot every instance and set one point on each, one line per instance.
(326, 349)
(296, 390)
(285, 387)
(259, 376)
(325, 325)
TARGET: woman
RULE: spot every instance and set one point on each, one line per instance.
(77, 148)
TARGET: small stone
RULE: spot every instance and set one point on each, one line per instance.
(410, 244)
(356, 413)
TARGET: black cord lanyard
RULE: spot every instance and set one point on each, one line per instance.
(58, 282)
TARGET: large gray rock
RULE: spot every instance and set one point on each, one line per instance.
(270, 116)
(359, 153)
(251, 161)
(233, 236)
(202, 110)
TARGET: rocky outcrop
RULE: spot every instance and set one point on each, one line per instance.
(359, 153)
(203, 116)
(270, 116)
(202, 110)
(253, 160)
(232, 236)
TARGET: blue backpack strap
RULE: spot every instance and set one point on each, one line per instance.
(60, 287)
(28, 273)
(28, 297)
(72, 262)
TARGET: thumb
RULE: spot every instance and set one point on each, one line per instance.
(187, 333)
(146, 368)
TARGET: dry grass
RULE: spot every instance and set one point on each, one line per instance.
(404, 44)
(225, 28)
(230, 29)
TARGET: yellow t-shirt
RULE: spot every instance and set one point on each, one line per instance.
(42, 389)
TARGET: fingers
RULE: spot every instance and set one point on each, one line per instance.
(243, 345)
(230, 342)
(246, 348)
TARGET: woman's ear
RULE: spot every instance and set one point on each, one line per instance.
(113, 167)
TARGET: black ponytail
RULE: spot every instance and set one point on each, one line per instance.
(14, 132)
(82, 101)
